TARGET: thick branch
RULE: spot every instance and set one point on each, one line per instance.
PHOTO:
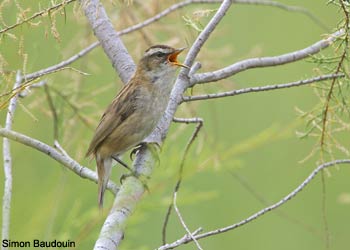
(284, 200)
(126, 200)
(109, 39)
(6, 201)
(262, 88)
(62, 158)
(264, 61)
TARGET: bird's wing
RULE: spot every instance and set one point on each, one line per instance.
(116, 113)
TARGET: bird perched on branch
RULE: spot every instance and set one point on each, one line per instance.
(135, 111)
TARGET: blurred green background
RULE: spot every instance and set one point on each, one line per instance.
(247, 154)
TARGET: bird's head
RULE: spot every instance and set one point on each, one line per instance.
(161, 58)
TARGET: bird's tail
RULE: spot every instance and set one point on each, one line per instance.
(104, 166)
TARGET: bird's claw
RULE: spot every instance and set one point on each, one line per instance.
(136, 150)
(134, 174)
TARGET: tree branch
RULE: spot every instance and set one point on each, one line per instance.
(128, 197)
(264, 61)
(287, 8)
(6, 200)
(38, 14)
(62, 158)
(262, 88)
(125, 31)
(338, 69)
(182, 82)
(155, 18)
(109, 39)
(186, 239)
(199, 122)
(184, 224)
(60, 65)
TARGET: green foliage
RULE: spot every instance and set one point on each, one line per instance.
(252, 135)
(329, 120)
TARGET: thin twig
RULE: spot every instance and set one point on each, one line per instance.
(75, 108)
(262, 88)
(204, 35)
(64, 159)
(38, 14)
(7, 196)
(265, 61)
(280, 213)
(290, 8)
(60, 148)
(339, 66)
(184, 224)
(53, 112)
(199, 122)
(26, 91)
(185, 239)
(62, 64)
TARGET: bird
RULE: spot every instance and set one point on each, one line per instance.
(135, 111)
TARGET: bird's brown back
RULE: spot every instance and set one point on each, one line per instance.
(115, 114)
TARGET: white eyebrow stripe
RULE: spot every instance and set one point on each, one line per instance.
(155, 50)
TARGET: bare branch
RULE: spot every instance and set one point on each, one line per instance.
(265, 61)
(182, 82)
(111, 43)
(282, 214)
(199, 122)
(53, 112)
(60, 65)
(128, 30)
(184, 224)
(195, 67)
(204, 35)
(94, 45)
(262, 88)
(153, 19)
(27, 89)
(185, 239)
(6, 205)
(62, 158)
(60, 148)
(287, 8)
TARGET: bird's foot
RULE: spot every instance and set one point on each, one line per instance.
(137, 149)
(134, 174)
(153, 147)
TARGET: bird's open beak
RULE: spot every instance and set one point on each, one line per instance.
(173, 58)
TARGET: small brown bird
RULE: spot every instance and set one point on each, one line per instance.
(135, 111)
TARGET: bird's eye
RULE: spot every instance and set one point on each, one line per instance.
(159, 54)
